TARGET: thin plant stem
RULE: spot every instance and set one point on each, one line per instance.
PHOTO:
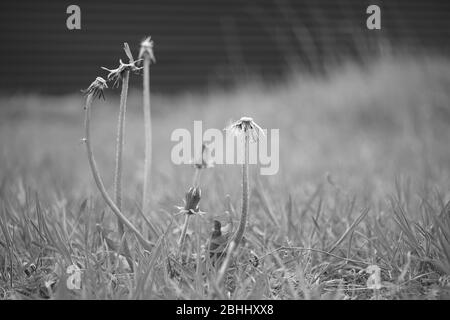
(119, 160)
(99, 182)
(183, 233)
(244, 213)
(148, 136)
(119, 144)
(196, 179)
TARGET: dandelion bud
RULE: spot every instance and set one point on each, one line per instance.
(192, 200)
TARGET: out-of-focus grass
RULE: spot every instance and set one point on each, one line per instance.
(362, 138)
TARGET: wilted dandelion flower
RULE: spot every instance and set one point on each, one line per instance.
(96, 88)
(246, 125)
(117, 74)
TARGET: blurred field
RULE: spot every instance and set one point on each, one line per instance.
(373, 136)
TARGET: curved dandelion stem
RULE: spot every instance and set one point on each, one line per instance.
(99, 182)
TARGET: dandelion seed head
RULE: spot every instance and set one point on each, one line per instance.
(246, 125)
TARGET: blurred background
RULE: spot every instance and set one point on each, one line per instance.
(355, 107)
(203, 43)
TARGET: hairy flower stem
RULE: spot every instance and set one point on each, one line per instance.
(148, 136)
(119, 159)
(243, 221)
(99, 182)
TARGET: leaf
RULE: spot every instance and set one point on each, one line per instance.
(349, 229)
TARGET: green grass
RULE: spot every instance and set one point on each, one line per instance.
(364, 180)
